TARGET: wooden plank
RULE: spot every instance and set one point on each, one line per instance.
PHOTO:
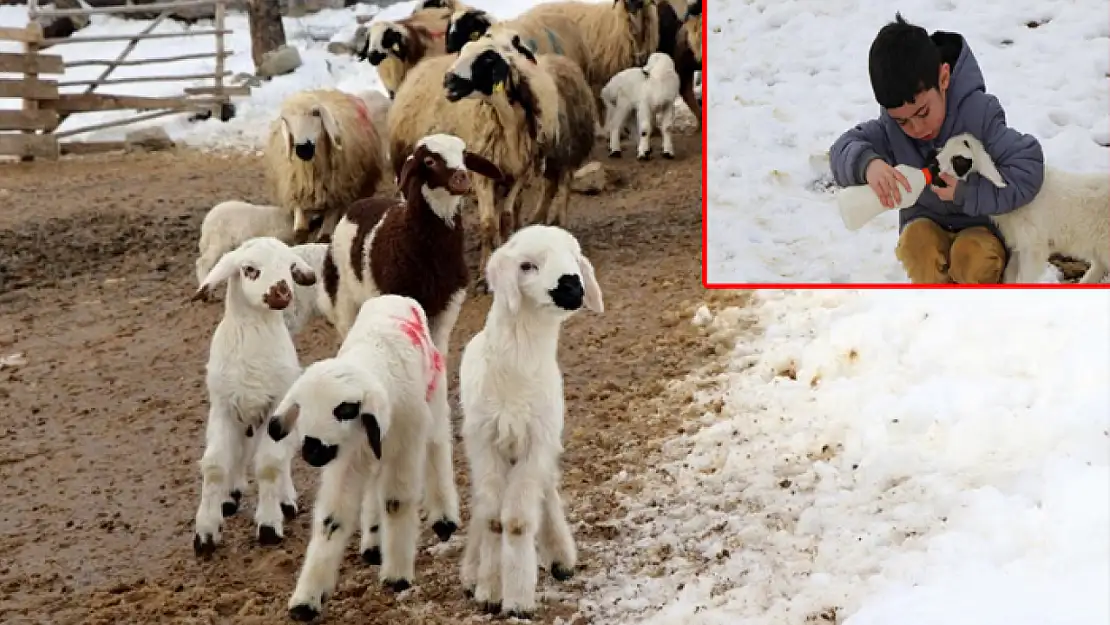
(152, 60)
(28, 89)
(81, 148)
(119, 122)
(22, 35)
(29, 146)
(133, 79)
(236, 90)
(126, 8)
(54, 41)
(22, 63)
(85, 102)
(27, 119)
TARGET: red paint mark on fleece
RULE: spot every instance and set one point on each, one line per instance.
(360, 106)
(414, 329)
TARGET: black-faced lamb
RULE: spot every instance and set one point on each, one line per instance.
(1070, 215)
(365, 418)
(324, 152)
(251, 364)
(412, 247)
(395, 47)
(511, 390)
(649, 92)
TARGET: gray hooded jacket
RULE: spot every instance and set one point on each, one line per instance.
(969, 108)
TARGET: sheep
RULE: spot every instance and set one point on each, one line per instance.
(1070, 215)
(511, 391)
(228, 224)
(412, 247)
(395, 47)
(452, 5)
(251, 364)
(305, 304)
(687, 58)
(550, 34)
(372, 398)
(324, 152)
(651, 92)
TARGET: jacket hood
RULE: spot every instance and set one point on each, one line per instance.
(966, 77)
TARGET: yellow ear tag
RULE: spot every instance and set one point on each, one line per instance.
(396, 48)
(499, 88)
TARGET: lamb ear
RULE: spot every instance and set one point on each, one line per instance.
(407, 172)
(302, 272)
(331, 128)
(373, 433)
(593, 298)
(501, 276)
(480, 165)
(281, 423)
(226, 267)
(984, 164)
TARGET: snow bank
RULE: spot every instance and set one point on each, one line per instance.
(885, 457)
(794, 76)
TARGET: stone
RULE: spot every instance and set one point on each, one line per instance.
(284, 60)
(151, 139)
(594, 178)
(250, 80)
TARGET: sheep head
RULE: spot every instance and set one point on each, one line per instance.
(541, 269)
(385, 39)
(963, 154)
(304, 128)
(258, 272)
(482, 69)
(692, 10)
(659, 64)
(466, 26)
(437, 170)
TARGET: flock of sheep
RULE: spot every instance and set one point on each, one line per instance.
(479, 110)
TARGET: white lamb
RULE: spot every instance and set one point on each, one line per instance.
(650, 91)
(511, 390)
(366, 417)
(306, 305)
(1070, 214)
(251, 364)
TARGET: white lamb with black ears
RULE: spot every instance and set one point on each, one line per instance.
(366, 418)
(511, 390)
(1070, 214)
(251, 364)
(650, 92)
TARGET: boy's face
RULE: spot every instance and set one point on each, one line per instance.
(922, 118)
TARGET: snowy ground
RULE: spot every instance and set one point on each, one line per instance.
(885, 457)
(310, 34)
(786, 77)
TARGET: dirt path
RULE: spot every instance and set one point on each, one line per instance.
(103, 425)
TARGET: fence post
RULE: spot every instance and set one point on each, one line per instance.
(221, 8)
(31, 71)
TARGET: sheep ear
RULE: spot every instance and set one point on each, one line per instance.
(226, 267)
(302, 273)
(407, 171)
(331, 128)
(373, 433)
(501, 276)
(287, 134)
(480, 165)
(593, 298)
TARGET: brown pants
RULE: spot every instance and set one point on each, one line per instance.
(932, 255)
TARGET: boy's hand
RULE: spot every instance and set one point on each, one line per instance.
(883, 180)
(949, 192)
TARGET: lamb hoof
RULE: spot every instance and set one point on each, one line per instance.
(268, 536)
(372, 556)
(668, 155)
(204, 546)
(444, 529)
(229, 508)
(397, 585)
(561, 572)
(303, 613)
(646, 156)
(490, 607)
(289, 511)
(524, 615)
(614, 153)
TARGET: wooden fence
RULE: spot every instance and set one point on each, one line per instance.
(31, 132)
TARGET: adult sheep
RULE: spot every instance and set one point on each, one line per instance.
(687, 57)
(395, 47)
(545, 34)
(324, 152)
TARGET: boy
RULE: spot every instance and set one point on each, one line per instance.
(930, 88)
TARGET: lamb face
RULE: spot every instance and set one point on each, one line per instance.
(440, 163)
(385, 38)
(464, 27)
(480, 70)
(963, 154)
(262, 271)
(542, 268)
(341, 409)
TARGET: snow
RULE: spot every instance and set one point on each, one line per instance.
(880, 458)
(309, 34)
(794, 77)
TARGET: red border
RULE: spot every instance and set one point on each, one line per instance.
(803, 285)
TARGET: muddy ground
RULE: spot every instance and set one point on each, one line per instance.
(103, 424)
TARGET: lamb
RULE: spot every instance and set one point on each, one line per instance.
(228, 224)
(687, 58)
(549, 34)
(411, 247)
(395, 47)
(324, 152)
(511, 390)
(651, 92)
(251, 364)
(373, 398)
(1070, 214)
(305, 305)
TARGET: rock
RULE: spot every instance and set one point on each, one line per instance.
(594, 178)
(152, 139)
(279, 62)
(339, 48)
(250, 80)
